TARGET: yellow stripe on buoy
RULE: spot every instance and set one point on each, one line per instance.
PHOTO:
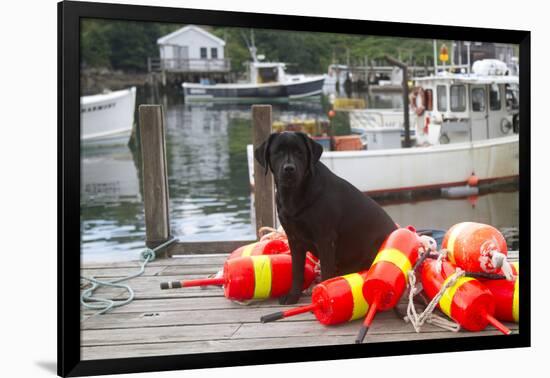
(262, 276)
(248, 249)
(515, 264)
(452, 238)
(515, 303)
(396, 257)
(447, 298)
(360, 305)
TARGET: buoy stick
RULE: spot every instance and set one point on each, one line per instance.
(498, 325)
(191, 283)
(285, 314)
(366, 324)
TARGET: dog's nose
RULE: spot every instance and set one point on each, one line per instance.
(289, 168)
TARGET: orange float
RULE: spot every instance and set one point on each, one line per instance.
(506, 295)
(334, 301)
(253, 277)
(387, 277)
(475, 247)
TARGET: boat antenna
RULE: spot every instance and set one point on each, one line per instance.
(251, 46)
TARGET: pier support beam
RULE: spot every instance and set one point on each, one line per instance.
(155, 176)
(264, 192)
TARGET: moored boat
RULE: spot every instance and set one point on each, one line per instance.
(107, 118)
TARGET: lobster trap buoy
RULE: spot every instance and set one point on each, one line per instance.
(476, 247)
(468, 302)
(387, 277)
(334, 301)
(253, 277)
(506, 295)
(266, 247)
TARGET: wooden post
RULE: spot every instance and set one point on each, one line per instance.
(264, 192)
(155, 177)
(405, 85)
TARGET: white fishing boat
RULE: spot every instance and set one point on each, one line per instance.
(107, 118)
(464, 124)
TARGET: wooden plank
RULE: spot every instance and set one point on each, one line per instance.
(120, 272)
(185, 248)
(182, 318)
(264, 192)
(155, 177)
(224, 345)
(199, 303)
(157, 334)
(175, 260)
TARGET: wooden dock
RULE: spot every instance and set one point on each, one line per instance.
(200, 320)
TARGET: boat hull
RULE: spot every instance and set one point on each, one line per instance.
(420, 168)
(107, 118)
(249, 92)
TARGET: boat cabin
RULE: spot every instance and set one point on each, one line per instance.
(266, 72)
(459, 107)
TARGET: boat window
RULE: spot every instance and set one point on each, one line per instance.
(214, 53)
(267, 74)
(203, 52)
(512, 96)
(442, 98)
(478, 99)
(494, 97)
(458, 98)
(429, 99)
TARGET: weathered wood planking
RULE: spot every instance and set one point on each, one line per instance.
(195, 320)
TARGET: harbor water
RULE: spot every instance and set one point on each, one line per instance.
(210, 197)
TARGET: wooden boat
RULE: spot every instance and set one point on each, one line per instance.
(107, 118)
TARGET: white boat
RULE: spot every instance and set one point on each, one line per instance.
(463, 124)
(107, 118)
(268, 81)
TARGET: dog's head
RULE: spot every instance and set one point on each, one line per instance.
(289, 155)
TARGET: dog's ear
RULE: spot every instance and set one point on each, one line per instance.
(314, 149)
(261, 153)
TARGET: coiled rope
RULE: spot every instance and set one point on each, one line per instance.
(105, 304)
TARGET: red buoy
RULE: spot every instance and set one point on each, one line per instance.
(468, 302)
(473, 180)
(331, 113)
(253, 277)
(387, 277)
(474, 246)
(266, 247)
(334, 301)
(506, 295)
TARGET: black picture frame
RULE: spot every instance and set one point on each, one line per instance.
(69, 15)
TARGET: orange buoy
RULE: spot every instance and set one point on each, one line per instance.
(475, 247)
(331, 113)
(473, 180)
(266, 247)
(334, 301)
(387, 277)
(253, 277)
(506, 295)
(468, 302)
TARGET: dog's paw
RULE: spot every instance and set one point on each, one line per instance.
(289, 299)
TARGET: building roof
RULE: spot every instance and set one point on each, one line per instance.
(168, 37)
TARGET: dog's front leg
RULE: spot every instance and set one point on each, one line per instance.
(327, 256)
(298, 253)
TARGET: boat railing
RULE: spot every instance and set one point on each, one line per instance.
(188, 65)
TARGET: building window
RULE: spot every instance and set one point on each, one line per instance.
(214, 53)
(478, 99)
(203, 53)
(494, 97)
(458, 98)
(442, 98)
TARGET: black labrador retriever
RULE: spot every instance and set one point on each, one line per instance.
(320, 211)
